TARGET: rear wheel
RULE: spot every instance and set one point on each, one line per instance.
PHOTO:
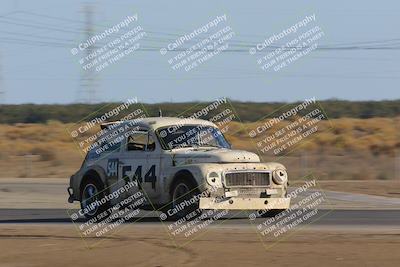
(92, 198)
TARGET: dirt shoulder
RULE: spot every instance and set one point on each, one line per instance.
(390, 188)
(60, 245)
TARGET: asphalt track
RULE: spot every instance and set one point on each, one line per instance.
(325, 217)
(25, 201)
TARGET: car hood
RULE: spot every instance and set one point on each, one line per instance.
(213, 155)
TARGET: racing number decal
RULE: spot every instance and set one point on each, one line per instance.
(138, 175)
(149, 177)
(112, 168)
(126, 169)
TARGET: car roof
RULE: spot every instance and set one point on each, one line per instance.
(159, 122)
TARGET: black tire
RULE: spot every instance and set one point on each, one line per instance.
(91, 190)
(182, 190)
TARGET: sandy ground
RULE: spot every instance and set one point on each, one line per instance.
(389, 188)
(59, 245)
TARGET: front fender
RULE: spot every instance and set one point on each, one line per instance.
(194, 170)
(77, 178)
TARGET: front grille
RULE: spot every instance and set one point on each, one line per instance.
(247, 179)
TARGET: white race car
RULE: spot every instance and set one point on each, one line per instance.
(180, 166)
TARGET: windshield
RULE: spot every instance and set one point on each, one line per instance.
(172, 137)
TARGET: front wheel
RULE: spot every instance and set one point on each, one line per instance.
(185, 201)
(92, 198)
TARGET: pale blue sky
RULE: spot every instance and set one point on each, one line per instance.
(36, 65)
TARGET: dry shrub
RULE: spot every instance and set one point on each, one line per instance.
(358, 149)
(45, 153)
(383, 176)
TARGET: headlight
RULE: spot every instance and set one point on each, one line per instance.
(213, 178)
(280, 176)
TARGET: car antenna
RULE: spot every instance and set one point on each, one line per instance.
(159, 113)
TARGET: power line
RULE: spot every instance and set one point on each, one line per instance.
(236, 45)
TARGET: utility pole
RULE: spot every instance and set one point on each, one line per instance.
(2, 90)
(87, 92)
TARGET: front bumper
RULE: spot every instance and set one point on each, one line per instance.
(71, 197)
(238, 203)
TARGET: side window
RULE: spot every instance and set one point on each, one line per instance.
(137, 141)
(103, 148)
(141, 141)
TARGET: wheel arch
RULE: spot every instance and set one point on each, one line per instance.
(90, 174)
(183, 174)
